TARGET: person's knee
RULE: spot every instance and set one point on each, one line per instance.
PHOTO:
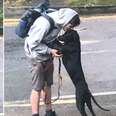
(35, 94)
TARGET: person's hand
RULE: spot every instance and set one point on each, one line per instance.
(55, 53)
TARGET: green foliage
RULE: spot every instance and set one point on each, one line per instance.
(76, 2)
(1, 14)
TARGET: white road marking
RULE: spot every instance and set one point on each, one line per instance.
(83, 42)
(63, 100)
(1, 114)
(98, 52)
(1, 38)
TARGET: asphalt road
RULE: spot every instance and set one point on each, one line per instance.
(98, 43)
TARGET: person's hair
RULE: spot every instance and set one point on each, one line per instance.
(75, 20)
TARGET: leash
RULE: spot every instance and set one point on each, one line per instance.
(59, 81)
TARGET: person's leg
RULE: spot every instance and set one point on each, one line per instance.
(49, 111)
(35, 100)
(37, 86)
(47, 98)
(49, 81)
(47, 89)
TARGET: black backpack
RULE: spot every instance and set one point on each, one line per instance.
(30, 16)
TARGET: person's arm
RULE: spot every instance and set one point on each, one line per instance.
(36, 34)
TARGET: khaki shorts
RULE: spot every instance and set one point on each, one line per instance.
(42, 74)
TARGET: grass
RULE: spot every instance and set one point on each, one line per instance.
(90, 2)
(106, 2)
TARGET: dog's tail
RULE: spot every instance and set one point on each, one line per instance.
(98, 104)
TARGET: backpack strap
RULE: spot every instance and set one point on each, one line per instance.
(51, 21)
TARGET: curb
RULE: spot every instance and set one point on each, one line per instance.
(9, 21)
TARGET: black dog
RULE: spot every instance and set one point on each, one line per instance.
(70, 48)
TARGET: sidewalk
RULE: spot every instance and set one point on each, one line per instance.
(61, 110)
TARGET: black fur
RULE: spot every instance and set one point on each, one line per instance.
(72, 61)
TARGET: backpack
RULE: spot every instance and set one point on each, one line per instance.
(30, 16)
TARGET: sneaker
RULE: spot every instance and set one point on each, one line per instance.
(50, 113)
(35, 115)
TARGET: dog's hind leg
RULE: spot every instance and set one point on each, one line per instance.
(88, 102)
(81, 108)
(80, 105)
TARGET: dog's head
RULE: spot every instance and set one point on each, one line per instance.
(67, 43)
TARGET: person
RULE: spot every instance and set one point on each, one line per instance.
(41, 56)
